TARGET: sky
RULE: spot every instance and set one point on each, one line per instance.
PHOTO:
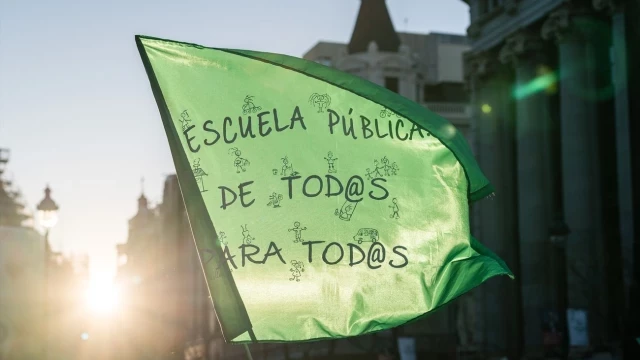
(77, 112)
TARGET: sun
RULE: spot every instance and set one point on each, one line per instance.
(102, 296)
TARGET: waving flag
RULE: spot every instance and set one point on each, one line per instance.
(322, 205)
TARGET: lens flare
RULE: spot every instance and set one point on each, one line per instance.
(102, 297)
(546, 81)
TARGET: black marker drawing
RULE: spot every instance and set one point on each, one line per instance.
(287, 168)
(249, 107)
(395, 209)
(246, 237)
(185, 120)
(378, 167)
(198, 173)
(386, 113)
(322, 102)
(346, 212)
(222, 238)
(369, 174)
(296, 270)
(331, 161)
(239, 162)
(366, 235)
(298, 230)
(382, 168)
(394, 169)
(386, 166)
(275, 199)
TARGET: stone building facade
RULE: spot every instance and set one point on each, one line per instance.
(553, 125)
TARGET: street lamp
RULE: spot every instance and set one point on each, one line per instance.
(48, 214)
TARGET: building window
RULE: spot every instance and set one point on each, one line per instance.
(391, 83)
(445, 92)
(326, 61)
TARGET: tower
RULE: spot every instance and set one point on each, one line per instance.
(373, 24)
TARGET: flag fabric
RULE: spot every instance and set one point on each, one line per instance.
(322, 205)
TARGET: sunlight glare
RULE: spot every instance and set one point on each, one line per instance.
(102, 296)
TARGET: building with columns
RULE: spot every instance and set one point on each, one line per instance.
(551, 84)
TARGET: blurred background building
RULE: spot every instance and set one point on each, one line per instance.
(12, 210)
(426, 68)
(166, 311)
(552, 85)
(41, 291)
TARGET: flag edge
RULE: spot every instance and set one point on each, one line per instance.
(179, 156)
(479, 186)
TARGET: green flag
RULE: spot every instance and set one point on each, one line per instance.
(322, 205)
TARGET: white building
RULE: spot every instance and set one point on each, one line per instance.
(426, 68)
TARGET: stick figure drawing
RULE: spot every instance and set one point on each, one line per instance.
(249, 107)
(395, 209)
(275, 199)
(321, 102)
(287, 168)
(185, 120)
(239, 162)
(298, 230)
(331, 161)
(296, 270)
(198, 174)
(246, 237)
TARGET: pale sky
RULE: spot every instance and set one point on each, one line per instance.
(77, 111)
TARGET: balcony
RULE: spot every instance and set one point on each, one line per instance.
(456, 113)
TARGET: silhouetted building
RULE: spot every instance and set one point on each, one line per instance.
(166, 311)
(11, 209)
(22, 293)
(41, 291)
(138, 278)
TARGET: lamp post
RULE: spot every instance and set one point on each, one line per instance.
(48, 214)
(558, 233)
